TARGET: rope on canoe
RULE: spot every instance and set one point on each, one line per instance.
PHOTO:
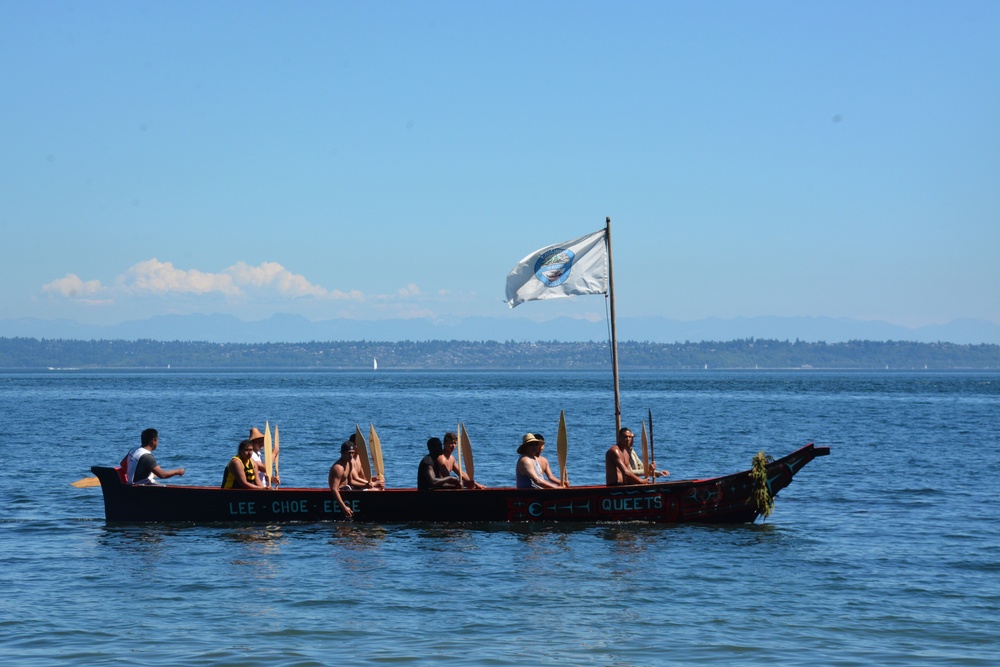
(760, 496)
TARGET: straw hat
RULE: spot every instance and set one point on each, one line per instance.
(528, 439)
(255, 434)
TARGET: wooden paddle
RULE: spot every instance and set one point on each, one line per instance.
(268, 453)
(466, 449)
(562, 446)
(652, 455)
(645, 452)
(362, 448)
(376, 452)
(458, 451)
(277, 454)
(86, 483)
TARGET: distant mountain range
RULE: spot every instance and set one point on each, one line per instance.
(285, 328)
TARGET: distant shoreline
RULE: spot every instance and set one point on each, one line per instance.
(21, 354)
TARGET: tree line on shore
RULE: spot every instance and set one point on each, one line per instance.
(40, 354)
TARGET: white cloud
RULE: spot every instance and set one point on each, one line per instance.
(274, 275)
(239, 282)
(72, 287)
(156, 277)
(409, 290)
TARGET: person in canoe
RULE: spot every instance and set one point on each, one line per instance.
(638, 468)
(528, 472)
(140, 465)
(430, 475)
(257, 438)
(240, 472)
(543, 463)
(358, 479)
(447, 462)
(617, 462)
(340, 476)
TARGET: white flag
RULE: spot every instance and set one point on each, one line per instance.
(579, 266)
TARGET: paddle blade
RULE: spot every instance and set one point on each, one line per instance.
(362, 447)
(277, 452)
(376, 451)
(86, 483)
(466, 447)
(652, 451)
(268, 452)
(458, 451)
(645, 451)
(562, 447)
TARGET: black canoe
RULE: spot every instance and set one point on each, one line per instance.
(716, 500)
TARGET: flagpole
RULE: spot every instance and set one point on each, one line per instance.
(614, 335)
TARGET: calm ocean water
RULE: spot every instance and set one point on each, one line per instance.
(886, 552)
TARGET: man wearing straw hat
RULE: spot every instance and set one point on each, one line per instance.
(528, 473)
(257, 439)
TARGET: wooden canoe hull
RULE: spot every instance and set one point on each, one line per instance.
(716, 500)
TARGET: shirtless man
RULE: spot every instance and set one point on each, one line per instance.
(358, 479)
(617, 462)
(447, 462)
(340, 476)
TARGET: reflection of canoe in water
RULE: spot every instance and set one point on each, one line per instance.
(718, 500)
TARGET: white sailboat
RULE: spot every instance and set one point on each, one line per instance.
(374, 364)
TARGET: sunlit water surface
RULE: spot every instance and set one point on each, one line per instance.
(886, 552)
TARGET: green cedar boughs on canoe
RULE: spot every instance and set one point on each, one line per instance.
(761, 496)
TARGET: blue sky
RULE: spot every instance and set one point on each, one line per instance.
(375, 160)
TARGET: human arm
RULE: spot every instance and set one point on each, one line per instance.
(147, 464)
(526, 468)
(358, 481)
(547, 471)
(657, 473)
(337, 478)
(451, 465)
(164, 474)
(428, 471)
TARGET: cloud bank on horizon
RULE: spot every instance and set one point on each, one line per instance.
(368, 161)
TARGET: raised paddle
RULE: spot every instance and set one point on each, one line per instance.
(458, 451)
(268, 453)
(652, 454)
(362, 447)
(562, 446)
(376, 452)
(277, 455)
(466, 448)
(86, 483)
(645, 452)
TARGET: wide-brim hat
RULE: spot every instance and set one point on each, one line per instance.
(255, 434)
(528, 439)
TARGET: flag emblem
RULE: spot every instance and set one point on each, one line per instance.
(553, 267)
